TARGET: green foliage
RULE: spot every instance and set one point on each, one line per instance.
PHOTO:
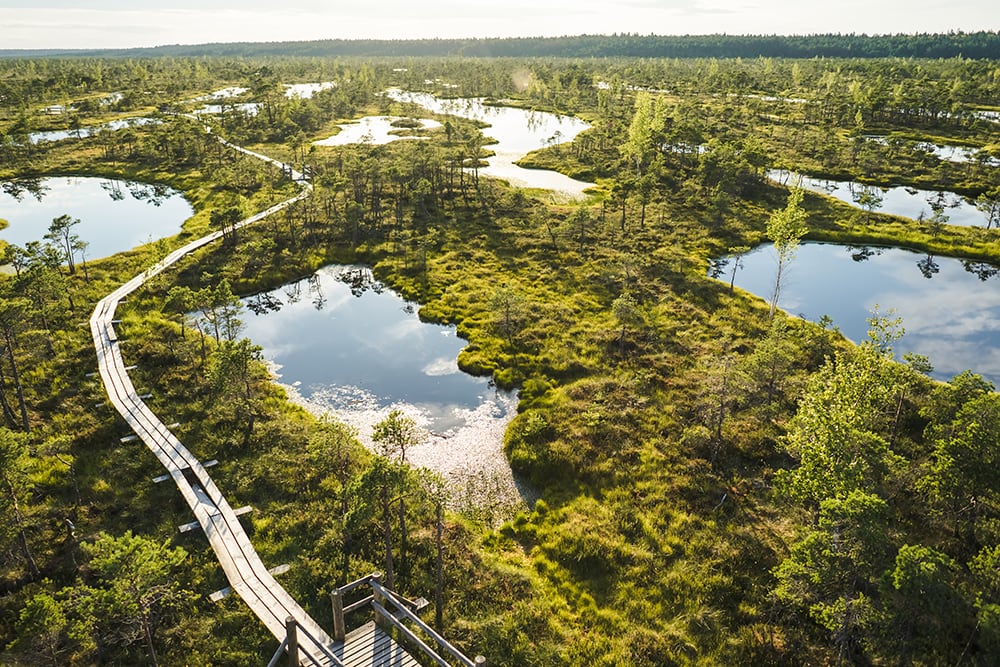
(586, 539)
(132, 592)
(963, 481)
(61, 233)
(219, 307)
(525, 444)
(644, 132)
(989, 203)
(985, 569)
(626, 310)
(55, 629)
(948, 399)
(831, 572)
(838, 434)
(927, 604)
(659, 540)
(510, 310)
(237, 374)
(983, 44)
(395, 434)
(134, 586)
(333, 449)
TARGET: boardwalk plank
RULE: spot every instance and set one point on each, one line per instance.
(370, 646)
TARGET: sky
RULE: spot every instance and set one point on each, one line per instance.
(60, 24)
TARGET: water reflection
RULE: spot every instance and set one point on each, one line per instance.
(946, 152)
(245, 108)
(517, 132)
(58, 135)
(16, 189)
(341, 342)
(377, 130)
(950, 307)
(902, 201)
(307, 90)
(341, 327)
(115, 215)
(958, 154)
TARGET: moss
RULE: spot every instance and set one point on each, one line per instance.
(655, 539)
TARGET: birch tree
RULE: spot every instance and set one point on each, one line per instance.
(989, 204)
(786, 228)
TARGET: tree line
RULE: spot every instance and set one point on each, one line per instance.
(979, 44)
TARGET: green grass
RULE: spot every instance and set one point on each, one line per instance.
(654, 541)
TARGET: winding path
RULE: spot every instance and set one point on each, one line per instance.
(247, 575)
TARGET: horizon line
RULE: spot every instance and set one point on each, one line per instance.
(954, 32)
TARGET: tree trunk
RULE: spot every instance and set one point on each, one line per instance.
(22, 539)
(552, 235)
(8, 412)
(402, 536)
(439, 581)
(203, 350)
(68, 246)
(736, 267)
(390, 574)
(777, 290)
(147, 632)
(16, 377)
(896, 418)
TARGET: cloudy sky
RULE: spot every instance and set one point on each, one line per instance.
(32, 24)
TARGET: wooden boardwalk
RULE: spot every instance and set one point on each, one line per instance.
(247, 574)
(367, 646)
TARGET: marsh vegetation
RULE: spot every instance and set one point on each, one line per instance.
(719, 482)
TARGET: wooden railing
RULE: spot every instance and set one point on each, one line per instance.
(290, 646)
(340, 612)
(393, 611)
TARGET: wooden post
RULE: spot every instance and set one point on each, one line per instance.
(337, 600)
(292, 636)
(480, 661)
(377, 594)
(439, 581)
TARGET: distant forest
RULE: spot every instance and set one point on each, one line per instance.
(977, 45)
